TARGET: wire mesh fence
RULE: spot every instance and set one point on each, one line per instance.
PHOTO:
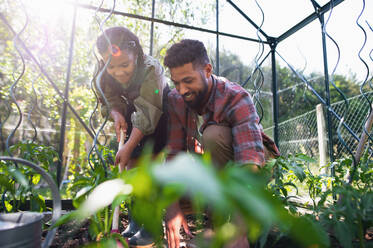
(300, 134)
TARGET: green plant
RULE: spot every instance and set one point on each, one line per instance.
(20, 183)
(351, 213)
(287, 173)
(345, 210)
(94, 190)
(234, 191)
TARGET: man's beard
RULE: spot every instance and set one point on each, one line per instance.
(197, 102)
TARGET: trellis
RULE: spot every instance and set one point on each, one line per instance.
(256, 77)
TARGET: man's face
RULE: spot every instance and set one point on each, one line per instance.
(191, 84)
(122, 66)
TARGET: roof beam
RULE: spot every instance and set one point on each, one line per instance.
(105, 10)
(248, 19)
(308, 20)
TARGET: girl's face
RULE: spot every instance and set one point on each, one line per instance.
(122, 65)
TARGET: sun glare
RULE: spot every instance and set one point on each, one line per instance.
(51, 12)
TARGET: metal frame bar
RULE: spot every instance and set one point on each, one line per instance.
(49, 79)
(217, 38)
(260, 64)
(327, 92)
(66, 95)
(274, 95)
(320, 98)
(272, 41)
(248, 19)
(152, 29)
(87, 6)
(308, 20)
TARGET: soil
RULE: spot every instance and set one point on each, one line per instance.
(72, 235)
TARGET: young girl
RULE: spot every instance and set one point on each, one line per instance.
(136, 90)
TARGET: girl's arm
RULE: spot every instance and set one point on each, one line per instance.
(124, 154)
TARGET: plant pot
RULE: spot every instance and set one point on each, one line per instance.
(24, 229)
(20, 230)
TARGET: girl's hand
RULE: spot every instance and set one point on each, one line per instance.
(119, 123)
(123, 156)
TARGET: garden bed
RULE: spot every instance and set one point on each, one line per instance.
(71, 235)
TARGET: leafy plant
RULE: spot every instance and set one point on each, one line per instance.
(95, 190)
(345, 210)
(232, 192)
(20, 183)
(351, 213)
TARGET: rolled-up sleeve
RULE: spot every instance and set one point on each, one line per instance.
(177, 133)
(146, 116)
(149, 103)
(246, 132)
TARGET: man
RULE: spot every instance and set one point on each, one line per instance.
(210, 110)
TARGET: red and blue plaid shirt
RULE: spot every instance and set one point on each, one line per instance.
(230, 105)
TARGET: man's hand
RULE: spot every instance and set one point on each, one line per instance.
(174, 220)
(123, 156)
(119, 123)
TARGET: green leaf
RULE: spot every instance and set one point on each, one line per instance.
(109, 243)
(8, 206)
(93, 229)
(298, 171)
(308, 233)
(194, 176)
(81, 182)
(81, 196)
(37, 203)
(83, 191)
(343, 234)
(36, 179)
(118, 200)
(283, 190)
(5, 183)
(20, 178)
(292, 185)
(304, 157)
(103, 195)
(66, 218)
(119, 238)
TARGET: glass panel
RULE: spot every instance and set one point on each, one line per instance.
(165, 36)
(138, 7)
(279, 16)
(238, 59)
(194, 13)
(232, 22)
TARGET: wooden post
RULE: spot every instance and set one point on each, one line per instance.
(321, 133)
(364, 137)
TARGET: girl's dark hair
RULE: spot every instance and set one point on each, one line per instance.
(122, 38)
(186, 51)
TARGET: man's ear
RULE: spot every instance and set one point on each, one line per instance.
(208, 70)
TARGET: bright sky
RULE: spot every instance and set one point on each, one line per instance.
(304, 49)
(301, 50)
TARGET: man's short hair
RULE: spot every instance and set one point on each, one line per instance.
(186, 51)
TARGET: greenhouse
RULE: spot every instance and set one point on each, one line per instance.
(170, 123)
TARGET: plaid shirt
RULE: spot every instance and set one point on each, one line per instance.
(230, 105)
